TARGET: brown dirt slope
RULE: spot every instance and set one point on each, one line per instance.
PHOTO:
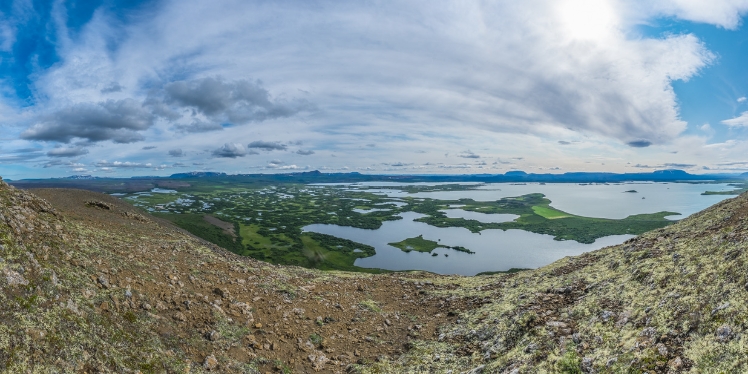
(92, 285)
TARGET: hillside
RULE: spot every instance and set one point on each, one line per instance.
(89, 284)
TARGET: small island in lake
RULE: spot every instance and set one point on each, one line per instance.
(632, 191)
(424, 245)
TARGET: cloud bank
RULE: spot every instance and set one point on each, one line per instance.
(366, 82)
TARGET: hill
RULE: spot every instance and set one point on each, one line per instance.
(89, 284)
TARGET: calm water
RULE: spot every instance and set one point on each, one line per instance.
(502, 250)
(494, 249)
(598, 200)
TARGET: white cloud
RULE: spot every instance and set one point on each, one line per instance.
(741, 99)
(122, 164)
(529, 71)
(741, 120)
(500, 78)
(723, 13)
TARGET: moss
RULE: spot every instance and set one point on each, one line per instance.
(370, 305)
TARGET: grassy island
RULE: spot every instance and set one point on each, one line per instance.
(424, 245)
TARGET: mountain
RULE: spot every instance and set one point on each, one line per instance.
(136, 184)
(197, 174)
(91, 284)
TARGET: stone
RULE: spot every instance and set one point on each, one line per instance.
(210, 363)
(587, 365)
(179, 316)
(476, 370)
(103, 281)
(222, 292)
(213, 335)
(14, 278)
(724, 334)
(676, 363)
(557, 324)
(606, 315)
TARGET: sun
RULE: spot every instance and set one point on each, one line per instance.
(587, 19)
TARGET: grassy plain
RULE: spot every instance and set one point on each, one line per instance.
(548, 212)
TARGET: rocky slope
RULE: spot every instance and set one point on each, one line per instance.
(90, 284)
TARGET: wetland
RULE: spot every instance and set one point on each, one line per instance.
(447, 228)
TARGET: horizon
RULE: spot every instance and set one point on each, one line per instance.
(510, 173)
(121, 88)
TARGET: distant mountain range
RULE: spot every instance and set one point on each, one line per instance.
(142, 183)
(510, 176)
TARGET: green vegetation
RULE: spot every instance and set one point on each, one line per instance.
(416, 244)
(371, 306)
(739, 189)
(548, 212)
(268, 219)
(420, 244)
(570, 363)
(197, 225)
(510, 271)
(536, 215)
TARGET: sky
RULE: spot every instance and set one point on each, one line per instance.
(117, 88)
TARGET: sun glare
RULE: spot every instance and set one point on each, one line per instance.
(587, 19)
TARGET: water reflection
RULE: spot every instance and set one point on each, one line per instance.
(494, 249)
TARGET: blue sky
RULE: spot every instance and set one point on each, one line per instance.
(122, 88)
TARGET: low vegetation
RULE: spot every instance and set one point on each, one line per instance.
(269, 220)
(420, 244)
(86, 289)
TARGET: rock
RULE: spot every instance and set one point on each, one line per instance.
(557, 324)
(128, 293)
(676, 363)
(476, 370)
(179, 316)
(103, 281)
(662, 349)
(210, 363)
(222, 292)
(318, 360)
(724, 334)
(587, 365)
(606, 315)
(213, 335)
(611, 362)
(649, 332)
(721, 307)
(13, 278)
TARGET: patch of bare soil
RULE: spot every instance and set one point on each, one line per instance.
(227, 227)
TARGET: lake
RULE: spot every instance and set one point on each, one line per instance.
(498, 250)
